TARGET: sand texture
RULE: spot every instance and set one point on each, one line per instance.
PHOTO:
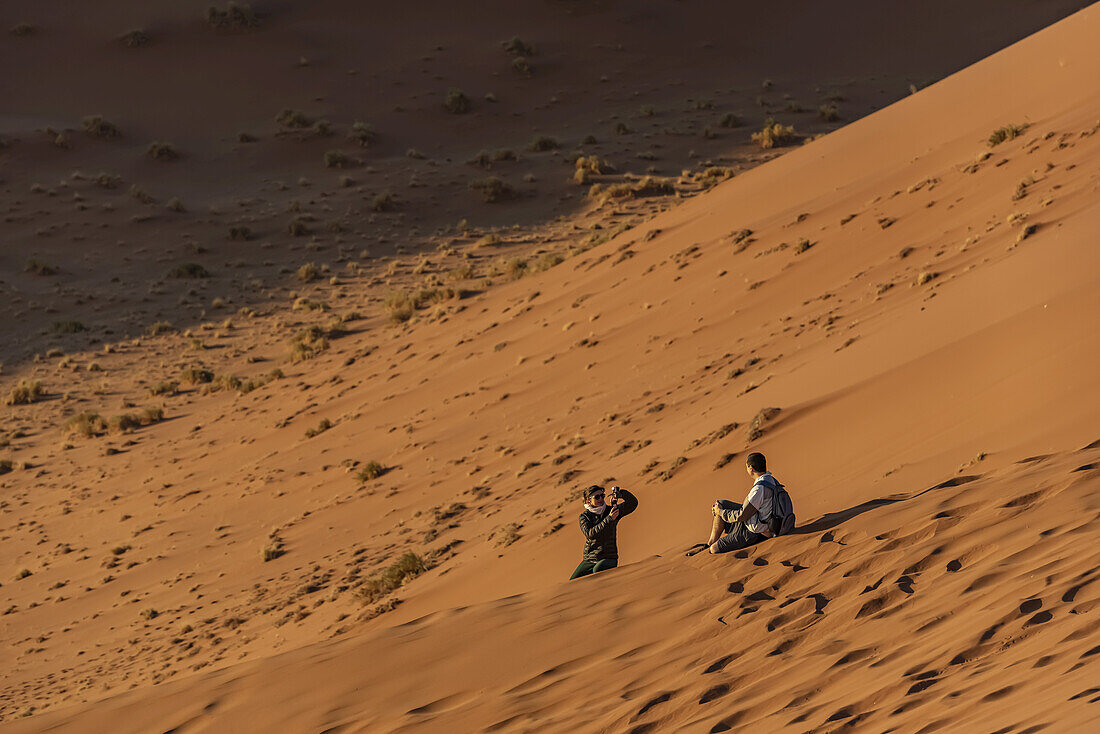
(252, 405)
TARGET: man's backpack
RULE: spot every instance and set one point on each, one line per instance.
(781, 521)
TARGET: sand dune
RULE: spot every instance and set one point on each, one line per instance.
(901, 314)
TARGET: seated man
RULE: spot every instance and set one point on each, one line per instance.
(736, 526)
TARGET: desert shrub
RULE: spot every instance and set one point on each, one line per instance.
(323, 426)
(40, 268)
(759, 421)
(730, 120)
(924, 277)
(246, 137)
(164, 388)
(97, 127)
(513, 268)
(774, 135)
(159, 327)
(24, 29)
(234, 17)
(715, 175)
(370, 471)
(135, 38)
(25, 393)
(308, 343)
(462, 272)
(456, 102)
(491, 188)
(522, 65)
(273, 549)
(257, 382)
(361, 133)
(189, 271)
(6, 466)
(293, 118)
(384, 202)
(194, 375)
(297, 227)
(68, 327)
(308, 272)
(802, 246)
(160, 151)
(829, 112)
(545, 261)
(322, 128)
(123, 423)
(141, 195)
(240, 233)
(86, 424)
(587, 166)
(543, 143)
(517, 47)
(338, 159)
(1002, 134)
(621, 129)
(106, 180)
(646, 110)
(405, 568)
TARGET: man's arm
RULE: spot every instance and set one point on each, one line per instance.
(747, 513)
(592, 529)
(628, 505)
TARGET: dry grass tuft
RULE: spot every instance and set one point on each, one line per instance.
(338, 159)
(308, 272)
(492, 189)
(361, 134)
(40, 268)
(323, 426)
(235, 17)
(371, 471)
(775, 135)
(160, 151)
(384, 202)
(97, 127)
(543, 143)
(86, 424)
(189, 271)
(456, 102)
(1002, 134)
(135, 38)
(756, 427)
(25, 393)
(293, 118)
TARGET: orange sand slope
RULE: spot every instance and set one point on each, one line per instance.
(932, 359)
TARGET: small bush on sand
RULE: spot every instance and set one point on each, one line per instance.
(235, 17)
(1002, 134)
(730, 120)
(338, 159)
(400, 572)
(323, 426)
(189, 271)
(159, 327)
(297, 227)
(545, 261)
(370, 471)
(160, 151)
(274, 548)
(774, 135)
(585, 167)
(924, 277)
(24, 29)
(648, 186)
(106, 180)
(759, 421)
(293, 118)
(362, 134)
(85, 424)
(194, 375)
(308, 272)
(135, 38)
(384, 202)
(240, 233)
(491, 188)
(97, 127)
(517, 47)
(829, 112)
(714, 176)
(456, 102)
(308, 343)
(25, 393)
(7, 466)
(68, 327)
(164, 388)
(522, 65)
(40, 268)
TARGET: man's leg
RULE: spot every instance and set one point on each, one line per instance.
(605, 564)
(584, 569)
(737, 538)
(723, 520)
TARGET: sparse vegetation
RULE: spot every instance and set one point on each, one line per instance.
(384, 202)
(129, 421)
(759, 421)
(293, 118)
(194, 375)
(491, 188)
(522, 65)
(97, 127)
(189, 271)
(774, 135)
(234, 17)
(135, 38)
(164, 388)
(24, 29)
(456, 102)
(517, 47)
(273, 549)
(160, 151)
(240, 233)
(400, 572)
(25, 393)
(40, 268)
(338, 159)
(1026, 232)
(297, 227)
(308, 343)
(924, 277)
(86, 425)
(361, 133)
(68, 327)
(829, 112)
(402, 305)
(648, 186)
(323, 426)
(543, 143)
(1002, 134)
(714, 176)
(730, 120)
(370, 471)
(585, 167)
(308, 273)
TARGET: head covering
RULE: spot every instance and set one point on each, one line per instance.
(592, 489)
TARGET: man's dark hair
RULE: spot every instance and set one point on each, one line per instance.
(591, 491)
(757, 462)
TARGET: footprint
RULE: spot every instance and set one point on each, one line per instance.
(1082, 694)
(853, 657)
(715, 692)
(719, 664)
(1086, 467)
(1031, 605)
(654, 702)
(954, 566)
(736, 587)
(998, 694)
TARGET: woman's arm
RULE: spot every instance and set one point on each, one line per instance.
(629, 503)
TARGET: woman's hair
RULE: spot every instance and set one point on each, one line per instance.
(591, 491)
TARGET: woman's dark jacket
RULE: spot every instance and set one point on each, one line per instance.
(599, 530)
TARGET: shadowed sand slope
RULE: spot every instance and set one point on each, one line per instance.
(901, 315)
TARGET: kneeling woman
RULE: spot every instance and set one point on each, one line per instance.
(599, 522)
